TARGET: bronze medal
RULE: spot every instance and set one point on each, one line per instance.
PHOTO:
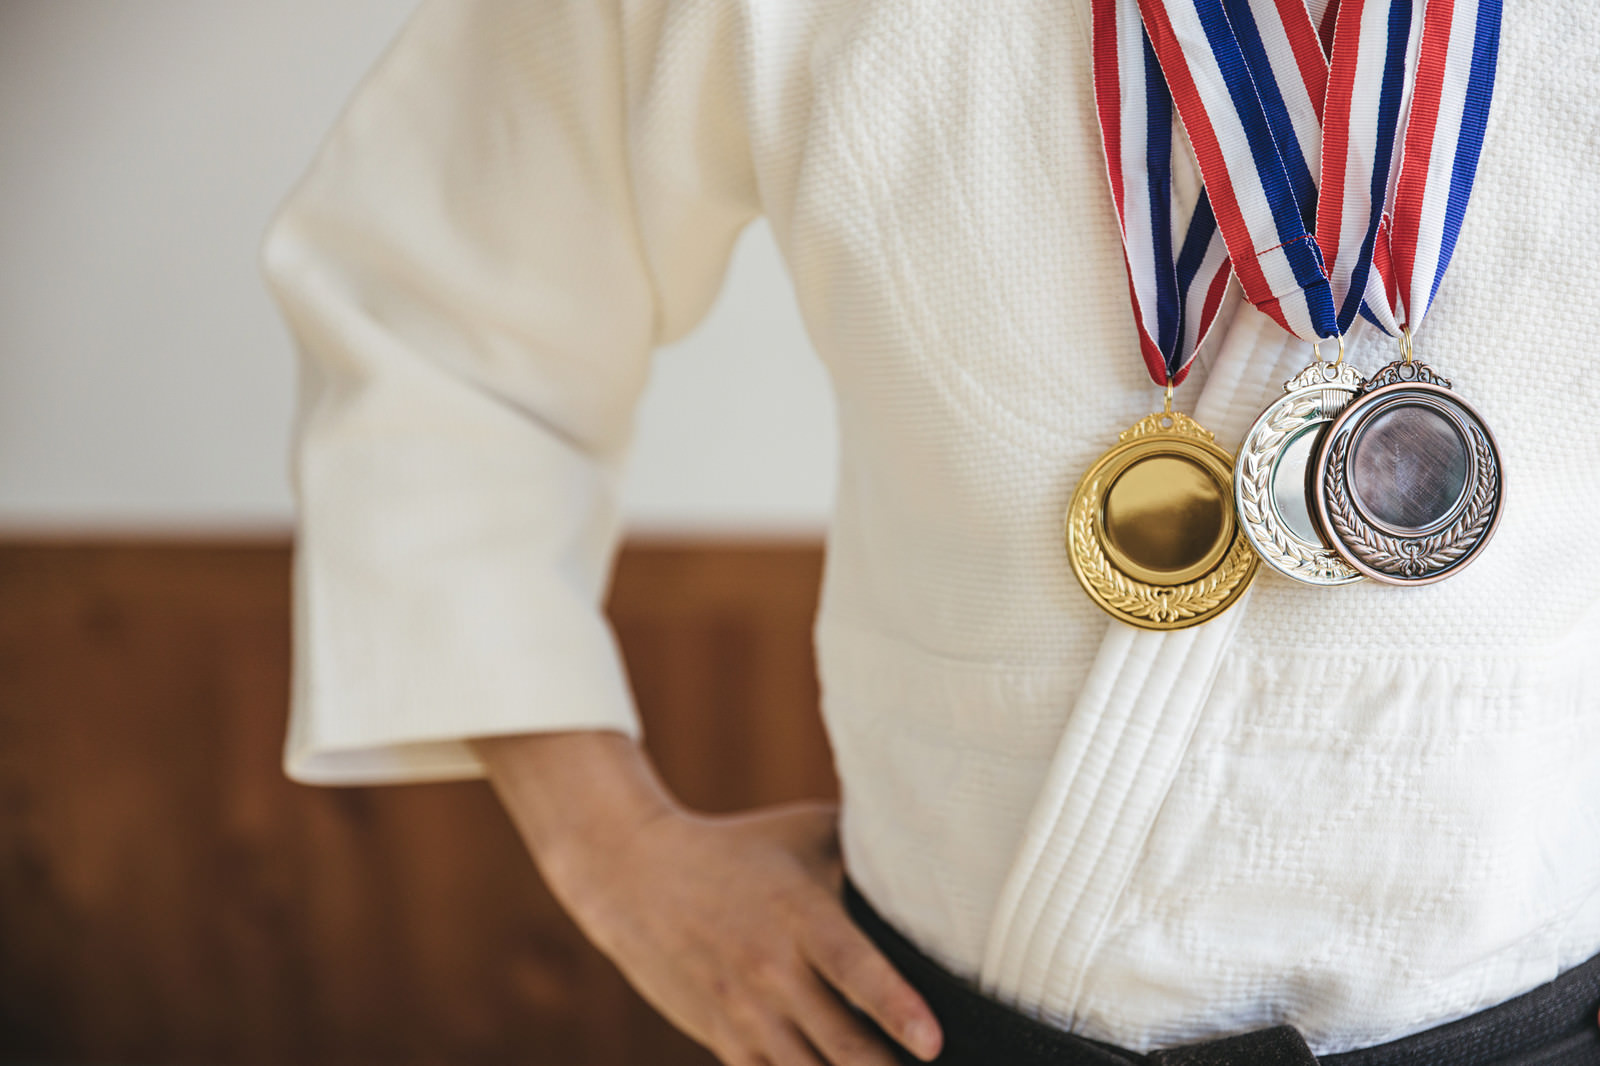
(1151, 530)
(1408, 478)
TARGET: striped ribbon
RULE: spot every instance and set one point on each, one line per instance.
(1443, 140)
(1273, 120)
(1175, 295)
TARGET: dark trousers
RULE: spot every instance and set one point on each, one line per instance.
(1554, 1025)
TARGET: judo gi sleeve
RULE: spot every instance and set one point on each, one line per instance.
(523, 199)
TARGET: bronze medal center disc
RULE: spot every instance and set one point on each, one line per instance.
(1166, 518)
(1409, 468)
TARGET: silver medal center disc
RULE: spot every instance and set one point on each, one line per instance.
(1408, 482)
(1271, 479)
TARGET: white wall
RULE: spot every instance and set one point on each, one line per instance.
(145, 379)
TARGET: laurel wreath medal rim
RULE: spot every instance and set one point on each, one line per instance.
(1166, 604)
(1283, 551)
(1140, 603)
(1435, 554)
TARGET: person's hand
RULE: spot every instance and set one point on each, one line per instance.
(732, 927)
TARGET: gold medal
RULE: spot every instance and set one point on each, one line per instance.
(1151, 530)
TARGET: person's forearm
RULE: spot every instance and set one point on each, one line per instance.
(561, 788)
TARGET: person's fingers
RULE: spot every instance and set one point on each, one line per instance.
(837, 1034)
(852, 964)
(739, 1058)
(784, 1046)
(738, 1038)
(754, 1014)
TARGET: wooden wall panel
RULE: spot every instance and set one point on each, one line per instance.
(166, 896)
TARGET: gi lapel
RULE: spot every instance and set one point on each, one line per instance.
(1123, 741)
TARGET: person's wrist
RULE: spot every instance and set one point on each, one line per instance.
(575, 798)
(578, 855)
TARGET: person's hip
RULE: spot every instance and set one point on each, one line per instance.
(1553, 1025)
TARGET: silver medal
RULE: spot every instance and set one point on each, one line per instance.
(1271, 479)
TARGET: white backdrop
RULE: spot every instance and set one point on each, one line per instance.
(145, 379)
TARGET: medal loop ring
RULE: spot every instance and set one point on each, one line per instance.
(1316, 350)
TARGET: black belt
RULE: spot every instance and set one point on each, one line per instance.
(1554, 1025)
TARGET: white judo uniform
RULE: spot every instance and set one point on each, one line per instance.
(1361, 811)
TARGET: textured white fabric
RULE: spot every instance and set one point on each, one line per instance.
(1363, 811)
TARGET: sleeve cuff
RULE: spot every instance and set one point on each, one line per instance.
(373, 744)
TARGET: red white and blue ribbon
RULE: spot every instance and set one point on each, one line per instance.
(1176, 284)
(1443, 140)
(1302, 153)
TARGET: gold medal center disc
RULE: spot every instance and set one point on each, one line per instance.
(1166, 520)
(1151, 530)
